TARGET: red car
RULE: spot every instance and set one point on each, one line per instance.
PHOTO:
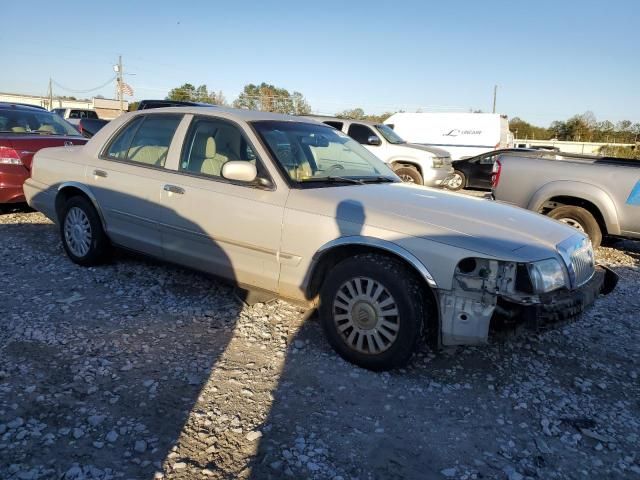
(23, 131)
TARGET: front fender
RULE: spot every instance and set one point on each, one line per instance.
(421, 163)
(583, 191)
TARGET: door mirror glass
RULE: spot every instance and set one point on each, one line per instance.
(240, 171)
(373, 140)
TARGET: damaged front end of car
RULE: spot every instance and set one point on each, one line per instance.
(488, 293)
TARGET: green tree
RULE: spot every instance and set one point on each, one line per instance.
(269, 98)
(190, 93)
(133, 106)
(359, 114)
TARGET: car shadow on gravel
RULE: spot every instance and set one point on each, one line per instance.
(120, 361)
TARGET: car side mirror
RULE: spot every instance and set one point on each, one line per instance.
(241, 171)
(373, 140)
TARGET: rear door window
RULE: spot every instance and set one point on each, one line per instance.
(336, 125)
(145, 140)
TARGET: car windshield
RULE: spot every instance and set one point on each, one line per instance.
(313, 154)
(36, 122)
(388, 133)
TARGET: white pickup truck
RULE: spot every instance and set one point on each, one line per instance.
(413, 163)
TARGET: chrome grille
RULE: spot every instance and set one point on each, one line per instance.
(583, 265)
(577, 254)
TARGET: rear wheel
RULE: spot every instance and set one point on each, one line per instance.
(457, 181)
(372, 311)
(409, 175)
(83, 237)
(580, 219)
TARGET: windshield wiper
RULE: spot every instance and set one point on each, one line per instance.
(334, 179)
(378, 179)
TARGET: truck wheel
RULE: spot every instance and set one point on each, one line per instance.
(409, 175)
(83, 237)
(372, 311)
(580, 219)
(457, 181)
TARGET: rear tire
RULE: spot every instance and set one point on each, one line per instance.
(372, 311)
(581, 219)
(457, 181)
(83, 237)
(409, 175)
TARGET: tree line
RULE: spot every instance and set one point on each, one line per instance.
(270, 98)
(579, 128)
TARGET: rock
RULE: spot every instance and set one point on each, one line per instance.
(95, 420)
(512, 474)
(179, 466)
(98, 445)
(78, 433)
(254, 435)
(449, 472)
(15, 423)
(112, 436)
(140, 446)
(299, 344)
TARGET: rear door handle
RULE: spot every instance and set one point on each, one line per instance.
(174, 189)
(100, 173)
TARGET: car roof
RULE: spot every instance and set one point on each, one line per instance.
(22, 106)
(238, 113)
(323, 118)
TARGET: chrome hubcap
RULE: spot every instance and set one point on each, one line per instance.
(455, 181)
(366, 315)
(407, 178)
(572, 223)
(77, 231)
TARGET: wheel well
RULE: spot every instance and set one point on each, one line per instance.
(65, 194)
(404, 163)
(335, 255)
(560, 201)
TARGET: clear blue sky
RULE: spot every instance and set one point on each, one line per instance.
(551, 59)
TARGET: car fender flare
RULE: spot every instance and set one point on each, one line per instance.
(581, 190)
(375, 243)
(420, 164)
(87, 191)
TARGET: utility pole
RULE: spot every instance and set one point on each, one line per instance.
(495, 93)
(50, 94)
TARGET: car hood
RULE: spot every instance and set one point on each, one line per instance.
(438, 152)
(482, 226)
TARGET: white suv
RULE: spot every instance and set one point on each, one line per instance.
(412, 163)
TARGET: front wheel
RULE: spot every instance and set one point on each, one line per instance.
(580, 219)
(372, 311)
(409, 175)
(83, 237)
(457, 181)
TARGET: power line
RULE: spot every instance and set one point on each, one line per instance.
(84, 91)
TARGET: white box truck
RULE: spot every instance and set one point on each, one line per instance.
(461, 134)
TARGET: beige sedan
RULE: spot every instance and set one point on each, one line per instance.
(297, 209)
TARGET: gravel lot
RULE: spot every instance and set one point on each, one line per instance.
(142, 370)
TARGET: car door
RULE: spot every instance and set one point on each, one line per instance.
(483, 169)
(128, 177)
(230, 229)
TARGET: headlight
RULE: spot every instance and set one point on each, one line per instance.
(437, 162)
(547, 275)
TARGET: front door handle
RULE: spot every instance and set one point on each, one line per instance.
(100, 173)
(174, 189)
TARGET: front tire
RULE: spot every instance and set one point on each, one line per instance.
(372, 311)
(83, 237)
(457, 181)
(409, 175)
(581, 219)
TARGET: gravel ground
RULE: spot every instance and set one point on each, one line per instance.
(142, 370)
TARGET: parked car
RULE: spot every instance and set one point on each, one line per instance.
(412, 163)
(296, 208)
(23, 131)
(146, 104)
(88, 127)
(74, 115)
(475, 172)
(596, 195)
(461, 134)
